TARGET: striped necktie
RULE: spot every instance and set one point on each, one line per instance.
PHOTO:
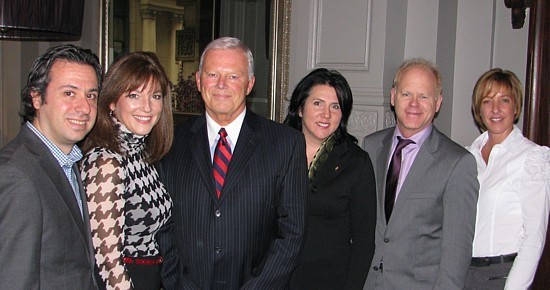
(222, 156)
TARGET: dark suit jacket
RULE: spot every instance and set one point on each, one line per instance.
(250, 237)
(342, 207)
(44, 242)
(427, 243)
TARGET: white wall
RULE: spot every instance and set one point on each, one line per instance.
(366, 40)
(473, 57)
(485, 40)
(348, 36)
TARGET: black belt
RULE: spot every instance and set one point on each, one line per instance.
(486, 261)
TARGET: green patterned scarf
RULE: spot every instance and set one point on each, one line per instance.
(322, 154)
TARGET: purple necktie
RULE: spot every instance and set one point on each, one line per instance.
(222, 156)
(393, 175)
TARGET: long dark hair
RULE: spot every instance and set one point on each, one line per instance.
(321, 76)
(126, 74)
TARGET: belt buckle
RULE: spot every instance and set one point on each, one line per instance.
(481, 262)
(486, 262)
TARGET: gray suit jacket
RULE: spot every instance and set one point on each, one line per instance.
(428, 241)
(44, 241)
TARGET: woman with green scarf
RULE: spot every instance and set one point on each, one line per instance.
(341, 219)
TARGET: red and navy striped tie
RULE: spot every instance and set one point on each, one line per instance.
(222, 156)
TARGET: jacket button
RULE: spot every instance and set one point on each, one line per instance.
(386, 240)
(375, 268)
(314, 188)
(218, 213)
(217, 250)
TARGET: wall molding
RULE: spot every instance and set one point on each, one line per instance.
(321, 46)
(365, 120)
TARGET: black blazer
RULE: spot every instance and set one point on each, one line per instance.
(45, 243)
(250, 237)
(342, 208)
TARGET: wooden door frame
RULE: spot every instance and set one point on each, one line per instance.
(537, 94)
(537, 86)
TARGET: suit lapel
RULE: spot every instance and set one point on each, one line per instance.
(63, 188)
(59, 183)
(85, 214)
(201, 154)
(333, 164)
(381, 165)
(421, 164)
(247, 143)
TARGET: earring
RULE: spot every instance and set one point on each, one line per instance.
(111, 113)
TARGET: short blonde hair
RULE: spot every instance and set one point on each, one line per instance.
(492, 81)
(422, 64)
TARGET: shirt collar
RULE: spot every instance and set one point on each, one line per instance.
(508, 143)
(418, 138)
(233, 129)
(64, 160)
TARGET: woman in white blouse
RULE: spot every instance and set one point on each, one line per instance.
(514, 174)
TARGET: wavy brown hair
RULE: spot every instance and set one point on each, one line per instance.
(129, 73)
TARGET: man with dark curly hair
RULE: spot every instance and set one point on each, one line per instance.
(45, 238)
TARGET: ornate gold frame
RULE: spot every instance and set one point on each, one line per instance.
(280, 60)
(280, 51)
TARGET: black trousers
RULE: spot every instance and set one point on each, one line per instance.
(144, 277)
(490, 277)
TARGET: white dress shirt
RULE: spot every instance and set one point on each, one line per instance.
(233, 130)
(513, 204)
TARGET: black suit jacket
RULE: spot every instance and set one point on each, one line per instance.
(251, 237)
(45, 243)
(341, 222)
(342, 208)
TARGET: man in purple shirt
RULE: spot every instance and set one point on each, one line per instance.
(426, 191)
